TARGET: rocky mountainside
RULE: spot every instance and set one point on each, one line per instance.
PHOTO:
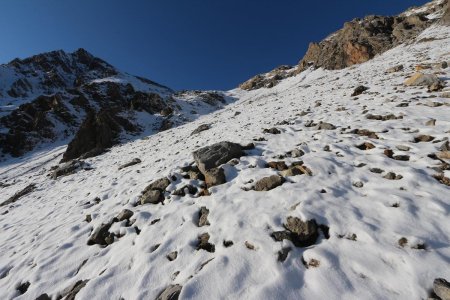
(331, 184)
(359, 41)
(55, 96)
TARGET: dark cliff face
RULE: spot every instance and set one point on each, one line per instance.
(62, 91)
(357, 42)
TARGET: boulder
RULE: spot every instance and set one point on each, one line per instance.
(125, 214)
(217, 154)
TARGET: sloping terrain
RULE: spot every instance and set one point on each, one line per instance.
(354, 201)
(47, 98)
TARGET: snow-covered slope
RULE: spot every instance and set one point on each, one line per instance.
(387, 239)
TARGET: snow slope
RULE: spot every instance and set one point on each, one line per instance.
(43, 235)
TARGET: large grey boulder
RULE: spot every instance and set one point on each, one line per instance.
(209, 159)
(217, 154)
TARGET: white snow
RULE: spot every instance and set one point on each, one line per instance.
(43, 236)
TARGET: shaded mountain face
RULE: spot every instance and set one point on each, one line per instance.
(359, 41)
(47, 97)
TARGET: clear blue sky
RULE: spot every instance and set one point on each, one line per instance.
(185, 44)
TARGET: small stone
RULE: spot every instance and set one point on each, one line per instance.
(135, 161)
(431, 122)
(152, 197)
(283, 254)
(88, 218)
(403, 242)
(278, 165)
(227, 244)
(125, 214)
(376, 170)
(23, 287)
(269, 183)
(201, 128)
(272, 131)
(172, 256)
(365, 146)
(403, 148)
(214, 176)
(296, 153)
(401, 157)
(295, 170)
(359, 90)
(423, 138)
(358, 184)
(249, 245)
(326, 126)
(203, 217)
(303, 234)
(204, 244)
(172, 292)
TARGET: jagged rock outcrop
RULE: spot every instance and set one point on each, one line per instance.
(361, 39)
(98, 132)
(358, 41)
(45, 98)
(268, 80)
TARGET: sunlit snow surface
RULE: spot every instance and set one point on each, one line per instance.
(43, 236)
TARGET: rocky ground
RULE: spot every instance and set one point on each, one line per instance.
(328, 185)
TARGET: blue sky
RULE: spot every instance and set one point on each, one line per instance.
(185, 44)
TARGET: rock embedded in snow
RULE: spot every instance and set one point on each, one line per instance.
(204, 244)
(25, 191)
(172, 292)
(365, 146)
(326, 126)
(101, 235)
(200, 128)
(151, 197)
(125, 214)
(203, 217)
(421, 79)
(423, 138)
(272, 130)
(395, 69)
(295, 170)
(441, 288)
(135, 161)
(268, 183)
(283, 253)
(277, 165)
(172, 256)
(300, 233)
(359, 90)
(68, 168)
(215, 176)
